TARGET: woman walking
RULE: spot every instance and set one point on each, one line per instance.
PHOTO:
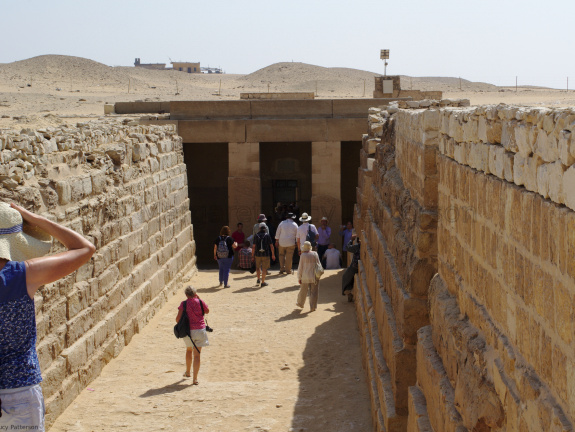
(24, 239)
(224, 247)
(308, 261)
(195, 308)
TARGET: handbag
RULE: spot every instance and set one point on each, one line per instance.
(318, 271)
(182, 328)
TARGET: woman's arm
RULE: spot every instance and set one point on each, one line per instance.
(206, 308)
(215, 250)
(180, 312)
(44, 270)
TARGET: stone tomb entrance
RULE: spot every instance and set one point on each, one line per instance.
(244, 156)
(285, 175)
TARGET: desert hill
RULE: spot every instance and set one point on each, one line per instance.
(59, 86)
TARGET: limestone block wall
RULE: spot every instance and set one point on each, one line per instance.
(494, 347)
(125, 188)
(396, 217)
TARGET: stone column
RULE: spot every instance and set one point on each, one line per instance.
(244, 185)
(326, 185)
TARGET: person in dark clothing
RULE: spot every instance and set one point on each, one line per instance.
(262, 248)
(348, 276)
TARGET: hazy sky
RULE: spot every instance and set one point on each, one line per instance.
(482, 40)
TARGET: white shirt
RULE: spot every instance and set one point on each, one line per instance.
(302, 232)
(332, 259)
(286, 233)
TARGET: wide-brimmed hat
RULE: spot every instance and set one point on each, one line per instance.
(305, 217)
(306, 246)
(290, 216)
(19, 241)
(262, 217)
(324, 219)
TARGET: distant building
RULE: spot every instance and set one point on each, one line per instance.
(156, 66)
(187, 67)
(390, 87)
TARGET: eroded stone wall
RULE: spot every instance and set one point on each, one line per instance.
(124, 187)
(477, 195)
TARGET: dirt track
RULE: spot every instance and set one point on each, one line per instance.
(270, 367)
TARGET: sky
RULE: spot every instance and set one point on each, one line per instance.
(485, 40)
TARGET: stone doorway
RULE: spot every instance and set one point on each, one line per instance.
(285, 170)
(285, 191)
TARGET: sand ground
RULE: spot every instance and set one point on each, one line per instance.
(270, 366)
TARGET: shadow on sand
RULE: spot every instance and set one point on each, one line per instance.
(170, 388)
(333, 393)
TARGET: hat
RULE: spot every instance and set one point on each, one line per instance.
(306, 246)
(262, 225)
(262, 217)
(19, 242)
(305, 217)
(324, 218)
(290, 215)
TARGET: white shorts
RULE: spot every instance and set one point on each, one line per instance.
(200, 339)
(22, 409)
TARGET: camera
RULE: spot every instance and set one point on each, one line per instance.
(209, 329)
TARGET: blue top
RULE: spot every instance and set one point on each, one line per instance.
(19, 366)
(346, 233)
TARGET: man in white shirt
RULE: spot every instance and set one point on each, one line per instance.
(331, 258)
(302, 232)
(285, 242)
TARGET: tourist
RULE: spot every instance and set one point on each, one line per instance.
(286, 242)
(239, 237)
(262, 248)
(331, 258)
(245, 254)
(256, 229)
(306, 232)
(308, 262)
(323, 240)
(350, 272)
(224, 247)
(195, 308)
(345, 232)
(24, 240)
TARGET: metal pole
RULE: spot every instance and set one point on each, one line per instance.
(459, 83)
(567, 83)
(516, 84)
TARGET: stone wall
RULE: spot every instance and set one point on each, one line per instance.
(477, 196)
(124, 187)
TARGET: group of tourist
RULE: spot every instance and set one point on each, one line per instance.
(258, 252)
(25, 239)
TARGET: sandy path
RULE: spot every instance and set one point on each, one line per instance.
(270, 367)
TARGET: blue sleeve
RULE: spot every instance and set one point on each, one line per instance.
(13, 277)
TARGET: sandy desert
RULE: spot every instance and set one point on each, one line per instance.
(52, 89)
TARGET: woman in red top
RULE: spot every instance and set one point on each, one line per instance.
(197, 330)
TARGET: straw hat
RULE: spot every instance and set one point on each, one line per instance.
(306, 246)
(19, 241)
(305, 217)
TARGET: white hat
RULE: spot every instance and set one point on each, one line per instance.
(19, 242)
(324, 218)
(306, 246)
(305, 217)
(262, 225)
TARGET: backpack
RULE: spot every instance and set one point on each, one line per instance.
(310, 237)
(182, 328)
(222, 251)
(259, 246)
